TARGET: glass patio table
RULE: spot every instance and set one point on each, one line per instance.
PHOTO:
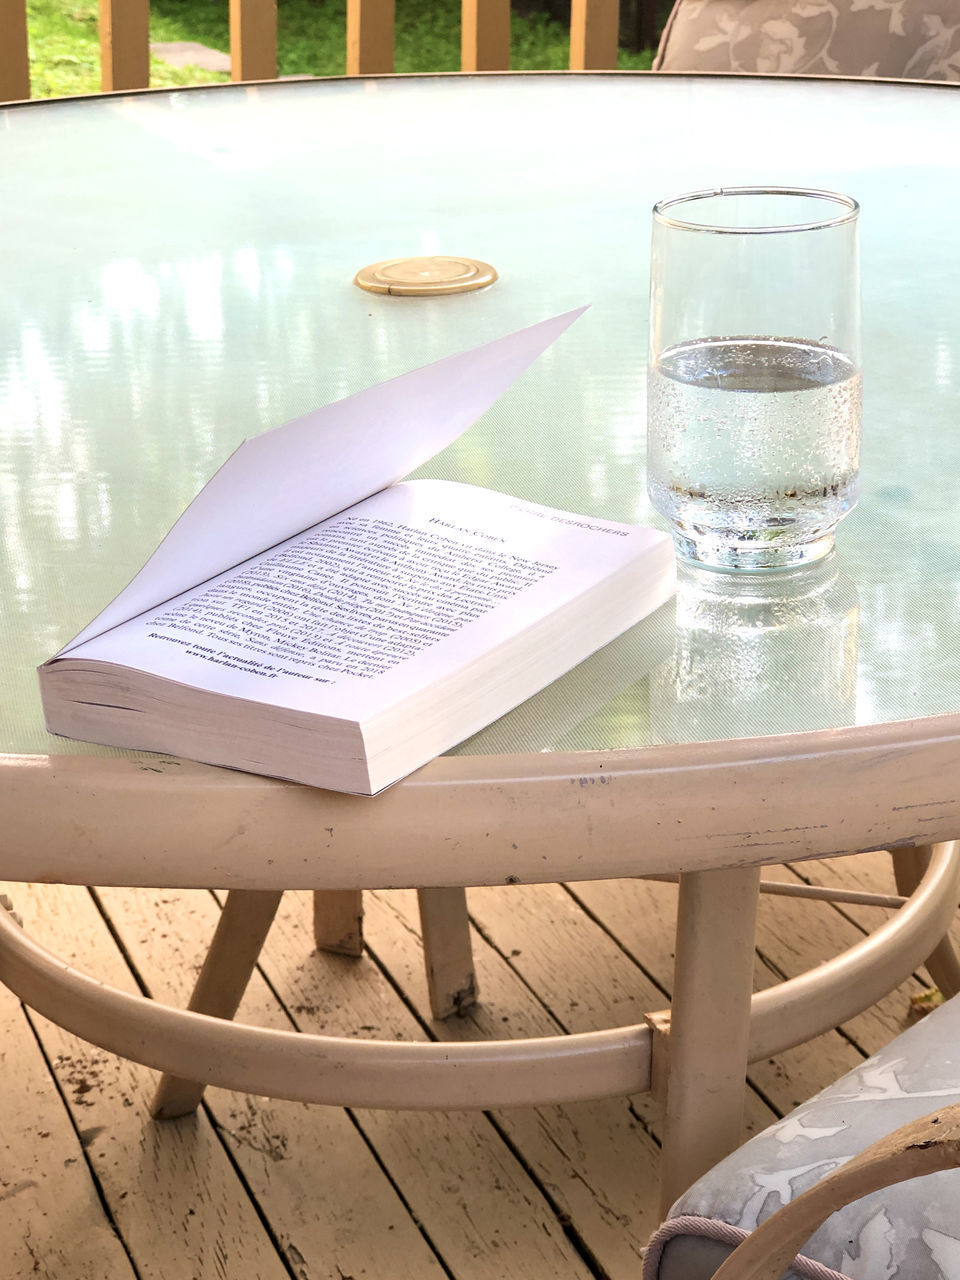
(178, 274)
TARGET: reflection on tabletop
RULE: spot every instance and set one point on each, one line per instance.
(602, 703)
(735, 655)
(759, 653)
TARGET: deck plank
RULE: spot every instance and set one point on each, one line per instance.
(477, 1203)
(474, 1201)
(870, 871)
(336, 1215)
(256, 1189)
(171, 1189)
(796, 934)
(53, 1224)
(628, 909)
(582, 970)
(597, 1159)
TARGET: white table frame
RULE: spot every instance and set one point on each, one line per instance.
(713, 812)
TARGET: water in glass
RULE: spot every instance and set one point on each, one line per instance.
(754, 445)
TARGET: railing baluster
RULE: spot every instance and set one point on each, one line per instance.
(594, 34)
(485, 35)
(369, 37)
(485, 40)
(14, 59)
(124, 44)
(253, 39)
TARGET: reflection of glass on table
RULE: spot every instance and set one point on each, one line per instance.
(602, 703)
(759, 653)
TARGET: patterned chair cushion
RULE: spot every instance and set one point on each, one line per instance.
(910, 1231)
(912, 39)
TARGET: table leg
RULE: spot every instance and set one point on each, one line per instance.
(942, 963)
(709, 1024)
(444, 924)
(240, 934)
(338, 921)
(447, 952)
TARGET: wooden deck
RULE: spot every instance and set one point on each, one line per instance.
(252, 1189)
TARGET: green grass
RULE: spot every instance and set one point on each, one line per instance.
(65, 51)
(65, 56)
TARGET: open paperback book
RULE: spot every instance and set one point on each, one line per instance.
(311, 617)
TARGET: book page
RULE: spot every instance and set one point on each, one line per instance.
(376, 602)
(288, 479)
(354, 597)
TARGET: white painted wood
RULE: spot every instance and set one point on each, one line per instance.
(641, 914)
(338, 1070)
(795, 937)
(445, 929)
(863, 870)
(709, 1025)
(820, 893)
(338, 921)
(942, 964)
(338, 927)
(835, 991)
(479, 1207)
(485, 819)
(428, 1154)
(229, 962)
(571, 972)
(597, 1159)
(797, 1073)
(52, 1226)
(588, 977)
(334, 1069)
(794, 889)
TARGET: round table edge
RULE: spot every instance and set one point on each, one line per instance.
(475, 820)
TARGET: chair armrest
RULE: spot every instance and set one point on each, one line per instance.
(924, 1146)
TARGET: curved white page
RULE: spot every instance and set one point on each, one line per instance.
(322, 463)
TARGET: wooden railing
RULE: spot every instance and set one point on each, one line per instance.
(485, 40)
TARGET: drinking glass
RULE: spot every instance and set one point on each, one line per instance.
(754, 387)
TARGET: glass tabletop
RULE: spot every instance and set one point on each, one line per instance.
(177, 274)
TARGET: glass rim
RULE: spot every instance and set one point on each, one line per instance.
(850, 207)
